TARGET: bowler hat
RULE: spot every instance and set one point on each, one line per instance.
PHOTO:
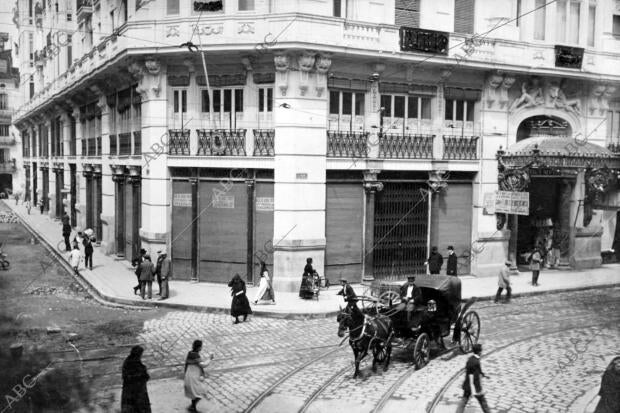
(508, 263)
(477, 348)
(411, 277)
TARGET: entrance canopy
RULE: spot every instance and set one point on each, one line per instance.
(557, 153)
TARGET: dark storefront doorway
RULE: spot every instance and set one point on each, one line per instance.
(401, 230)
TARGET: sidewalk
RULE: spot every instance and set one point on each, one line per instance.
(112, 280)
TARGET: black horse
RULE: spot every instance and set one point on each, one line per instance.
(374, 333)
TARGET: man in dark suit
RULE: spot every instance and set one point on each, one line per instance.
(452, 262)
(473, 374)
(411, 297)
(348, 293)
(434, 261)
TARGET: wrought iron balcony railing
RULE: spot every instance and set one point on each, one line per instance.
(178, 142)
(137, 143)
(222, 142)
(124, 143)
(406, 146)
(8, 165)
(347, 144)
(460, 147)
(263, 142)
(113, 145)
(614, 147)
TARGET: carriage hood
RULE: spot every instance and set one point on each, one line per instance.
(449, 286)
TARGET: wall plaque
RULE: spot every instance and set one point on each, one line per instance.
(264, 203)
(224, 201)
(182, 200)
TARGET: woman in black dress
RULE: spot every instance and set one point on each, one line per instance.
(134, 396)
(306, 290)
(240, 305)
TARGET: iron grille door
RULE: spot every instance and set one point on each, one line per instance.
(401, 230)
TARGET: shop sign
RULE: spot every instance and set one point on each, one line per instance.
(264, 203)
(489, 203)
(509, 202)
(419, 40)
(182, 200)
(224, 201)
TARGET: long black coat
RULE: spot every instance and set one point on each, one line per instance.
(240, 305)
(452, 264)
(435, 261)
(134, 397)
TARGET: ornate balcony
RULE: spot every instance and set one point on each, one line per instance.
(614, 148)
(347, 144)
(124, 143)
(113, 145)
(221, 142)
(263, 142)
(7, 166)
(137, 143)
(7, 140)
(178, 142)
(84, 9)
(460, 147)
(406, 146)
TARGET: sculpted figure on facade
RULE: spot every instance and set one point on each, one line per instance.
(556, 98)
(596, 96)
(493, 82)
(608, 94)
(323, 63)
(281, 63)
(503, 90)
(305, 61)
(532, 96)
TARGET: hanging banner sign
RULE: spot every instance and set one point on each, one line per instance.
(182, 200)
(508, 202)
(224, 201)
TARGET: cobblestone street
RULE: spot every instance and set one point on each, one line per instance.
(542, 353)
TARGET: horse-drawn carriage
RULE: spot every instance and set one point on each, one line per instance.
(437, 314)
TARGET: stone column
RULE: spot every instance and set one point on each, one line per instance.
(300, 162)
(117, 245)
(155, 197)
(80, 203)
(107, 184)
(66, 138)
(374, 116)
(372, 186)
(564, 218)
(51, 195)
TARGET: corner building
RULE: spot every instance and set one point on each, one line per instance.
(359, 133)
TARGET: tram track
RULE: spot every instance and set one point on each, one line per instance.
(459, 374)
(401, 379)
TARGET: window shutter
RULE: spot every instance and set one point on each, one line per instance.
(464, 16)
(407, 13)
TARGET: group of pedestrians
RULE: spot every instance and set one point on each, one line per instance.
(85, 238)
(134, 395)
(435, 262)
(146, 272)
(240, 305)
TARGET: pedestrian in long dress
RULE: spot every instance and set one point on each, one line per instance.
(88, 252)
(240, 305)
(134, 396)
(265, 288)
(147, 271)
(503, 282)
(66, 230)
(28, 206)
(195, 388)
(75, 257)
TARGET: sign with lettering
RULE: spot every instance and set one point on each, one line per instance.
(489, 203)
(182, 200)
(508, 202)
(264, 203)
(419, 40)
(224, 201)
(301, 175)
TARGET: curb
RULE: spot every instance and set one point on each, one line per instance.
(147, 305)
(555, 291)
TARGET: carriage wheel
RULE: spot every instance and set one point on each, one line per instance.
(421, 351)
(380, 352)
(388, 296)
(470, 331)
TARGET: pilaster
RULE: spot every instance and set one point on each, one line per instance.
(151, 75)
(372, 186)
(301, 103)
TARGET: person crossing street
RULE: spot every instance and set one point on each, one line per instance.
(473, 375)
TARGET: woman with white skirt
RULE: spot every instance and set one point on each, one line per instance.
(265, 289)
(195, 387)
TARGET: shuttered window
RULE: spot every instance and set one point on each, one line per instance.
(464, 16)
(408, 13)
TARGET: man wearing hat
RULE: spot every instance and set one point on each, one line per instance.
(164, 272)
(452, 262)
(348, 293)
(503, 281)
(473, 374)
(410, 295)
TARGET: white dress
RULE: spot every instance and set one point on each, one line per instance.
(262, 286)
(75, 258)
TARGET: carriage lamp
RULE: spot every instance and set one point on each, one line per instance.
(432, 306)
